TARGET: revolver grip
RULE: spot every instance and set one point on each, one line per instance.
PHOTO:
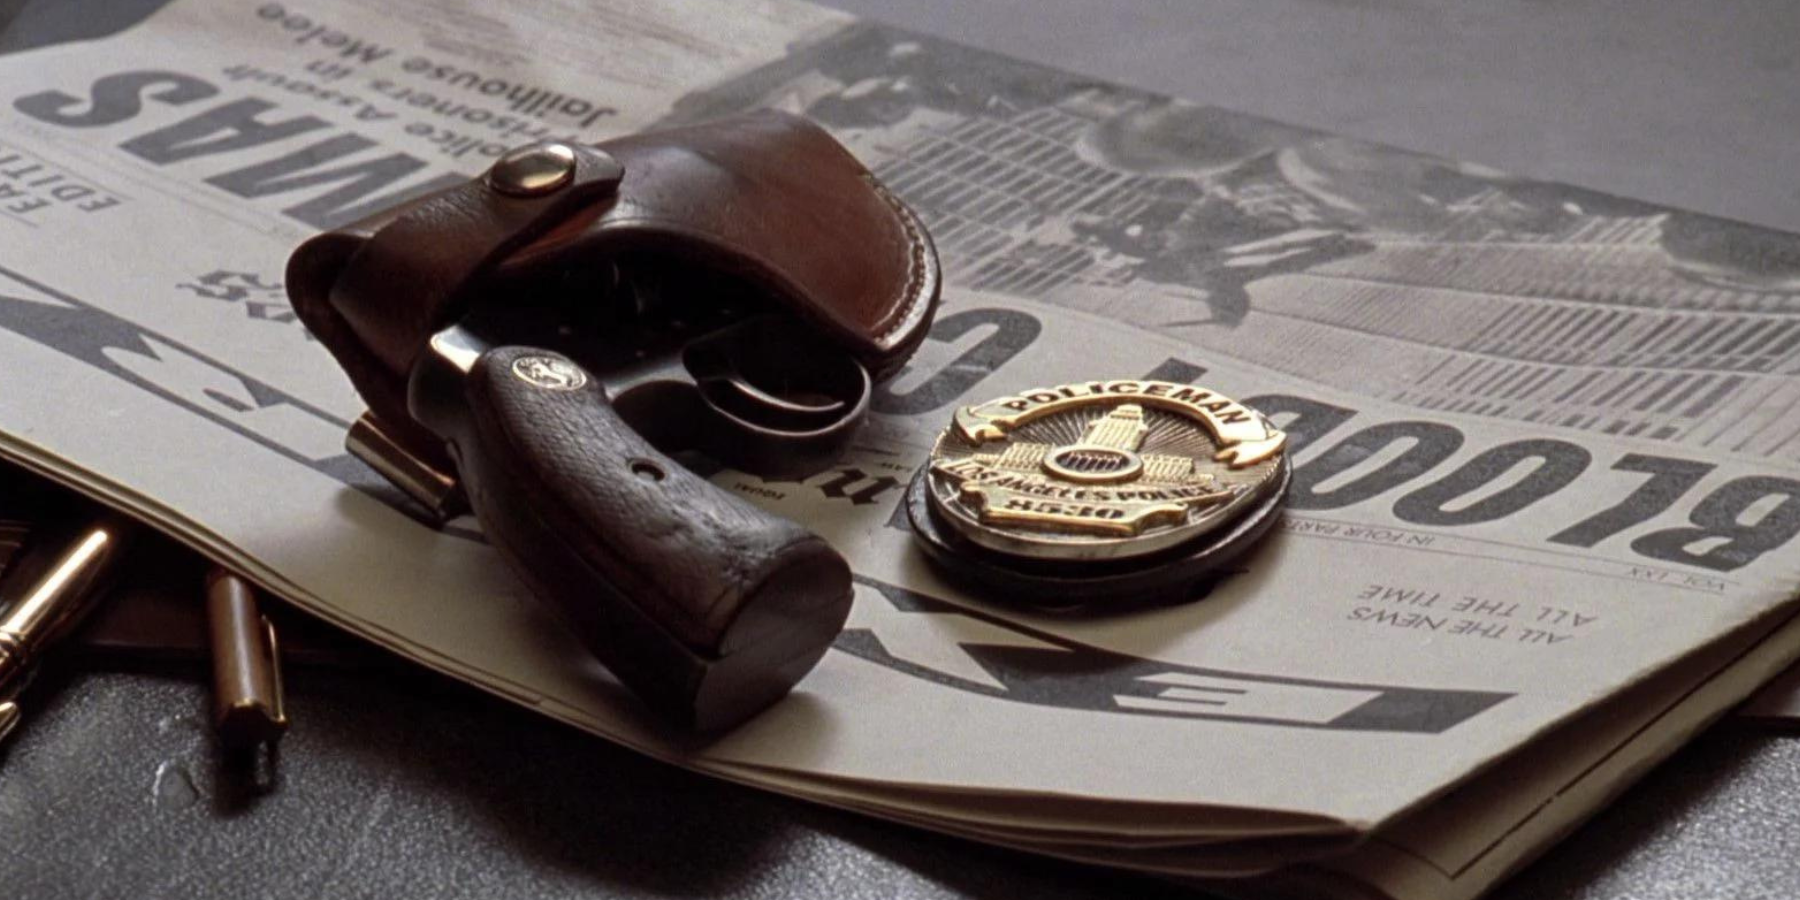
(705, 605)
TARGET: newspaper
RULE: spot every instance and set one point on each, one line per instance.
(1547, 480)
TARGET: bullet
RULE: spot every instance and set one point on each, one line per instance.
(52, 603)
(247, 703)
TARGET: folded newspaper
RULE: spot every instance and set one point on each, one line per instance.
(1547, 486)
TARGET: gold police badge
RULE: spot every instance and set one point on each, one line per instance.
(1085, 483)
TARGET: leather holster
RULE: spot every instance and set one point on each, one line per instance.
(768, 199)
(549, 331)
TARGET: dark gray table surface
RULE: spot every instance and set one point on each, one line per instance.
(396, 784)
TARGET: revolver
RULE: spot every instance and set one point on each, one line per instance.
(546, 344)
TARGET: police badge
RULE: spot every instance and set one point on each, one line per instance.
(1111, 491)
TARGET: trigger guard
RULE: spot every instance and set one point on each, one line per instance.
(670, 407)
(768, 374)
(739, 401)
(756, 448)
(778, 405)
(773, 452)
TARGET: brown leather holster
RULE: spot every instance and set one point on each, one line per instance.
(546, 339)
(767, 198)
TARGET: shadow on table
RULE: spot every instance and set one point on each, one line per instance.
(557, 797)
(1636, 831)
